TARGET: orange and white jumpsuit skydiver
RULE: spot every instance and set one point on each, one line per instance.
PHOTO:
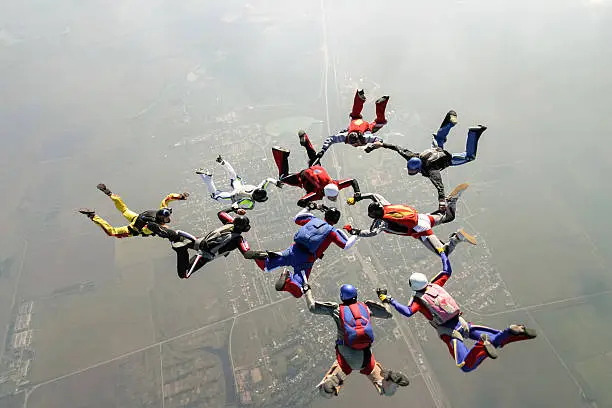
(443, 313)
(314, 179)
(360, 132)
(401, 219)
(354, 342)
(147, 223)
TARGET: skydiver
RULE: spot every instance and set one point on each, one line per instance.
(353, 343)
(435, 159)
(219, 242)
(314, 179)
(359, 132)
(310, 242)
(443, 313)
(147, 223)
(401, 219)
(242, 196)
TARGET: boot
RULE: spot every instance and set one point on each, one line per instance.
(102, 187)
(396, 377)
(520, 330)
(282, 279)
(450, 118)
(88, 212)
(220, 160)
(203, 172)
(381, 105)
(488, 346)
(465, 237)
(457, 191)
(478, 129)
(358, 101)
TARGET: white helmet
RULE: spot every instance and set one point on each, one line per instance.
(418, 281)
(331, 191)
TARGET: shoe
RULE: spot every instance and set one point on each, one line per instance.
(465, 237)
(204, 172)
(220, 160)
(303, 138)
(88, 212)
(395, 377)
(102, 187)
(282, 279)
(361, 94)
(305, 288)
(488, 346)
(478, 129)
(382, 99)
(456, 193)
(450, 118)
(520, 330)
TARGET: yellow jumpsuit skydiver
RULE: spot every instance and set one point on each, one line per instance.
(129, 230)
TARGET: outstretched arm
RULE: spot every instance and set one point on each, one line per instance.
(248, 253)
(436, 179)
(338, 138)
(378, 310)
(173, 197)
(405, 153)
(303, 202)
(344, 183)
(441, 278)
(321, 308)
(376, 228)
(342, 240)
(163, 232)
(270, 180)
(377, 198)
(225, 217)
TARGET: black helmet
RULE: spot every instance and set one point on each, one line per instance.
(332, 215)
(241, 224)
(260, 195)
(163, 215)
(353, 137)
(376, 210)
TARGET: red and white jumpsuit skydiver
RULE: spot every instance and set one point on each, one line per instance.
(359, 133)
(314, 179)
(443, 313)
(310, 242)
(401, 219)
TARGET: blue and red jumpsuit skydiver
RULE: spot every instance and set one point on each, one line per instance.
(453, 332)
(300, 258)
(359, 132)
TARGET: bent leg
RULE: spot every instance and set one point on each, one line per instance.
(447, 124)
(123, 209)
(466, 360)
(231, 173)
(117, 232)
(471, 147)
(182, 261)
(380, 121)
(281, 158)
(295, 281)
(333, 380)
(358, 101)
(210, 184)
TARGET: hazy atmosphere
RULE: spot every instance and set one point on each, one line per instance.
(137, 94)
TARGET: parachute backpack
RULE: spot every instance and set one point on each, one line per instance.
(312, 234)
(357, 326)
(440, 303)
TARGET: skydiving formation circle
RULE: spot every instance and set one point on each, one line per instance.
(353, 318)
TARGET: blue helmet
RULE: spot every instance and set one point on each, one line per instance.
(414, 165)
(163, 215)
(348, 292)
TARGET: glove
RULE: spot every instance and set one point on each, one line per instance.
(350, 201)
(241, 211)
(219, 159)
(312, 206)
(351, 230)
(279, 184)
(320, 154)
(373, 146)
(184, 196)
(442, 206)
(382, 295)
